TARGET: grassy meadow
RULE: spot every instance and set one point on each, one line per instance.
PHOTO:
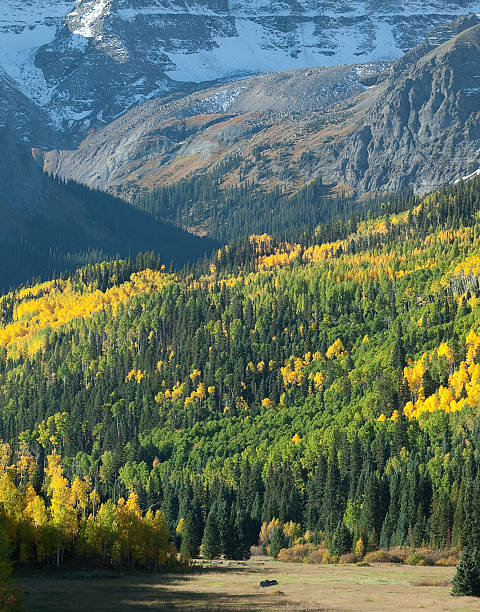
(233, 586)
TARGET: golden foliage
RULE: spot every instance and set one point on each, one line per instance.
(66, 517)
(54, 304)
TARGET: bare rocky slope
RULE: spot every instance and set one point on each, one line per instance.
(84, 62)
(366, 127)
(167, 139)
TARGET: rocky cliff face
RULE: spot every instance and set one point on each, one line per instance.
(87, 61)
(25, 119)
(416, 124)
(426, 127)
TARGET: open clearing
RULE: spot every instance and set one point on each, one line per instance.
(234, 586)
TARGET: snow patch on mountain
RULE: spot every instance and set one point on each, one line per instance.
(25, 26)
(118, 53)
(468, 177)
(257, 49)
(92, 12)
(221, 100)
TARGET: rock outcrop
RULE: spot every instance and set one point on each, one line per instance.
(424, 130)
(87, 61)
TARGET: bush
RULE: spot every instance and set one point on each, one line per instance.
(417, 558)
(295, 554)
(410, 556)
(319, 555)
(378, 556)
(347, 558)
(400, 552)
(450, 561)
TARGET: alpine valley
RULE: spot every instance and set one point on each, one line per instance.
(239, 305)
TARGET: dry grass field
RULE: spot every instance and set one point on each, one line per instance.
(231, 586)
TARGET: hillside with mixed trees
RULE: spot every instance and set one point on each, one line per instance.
(51, 226)
(322, 391)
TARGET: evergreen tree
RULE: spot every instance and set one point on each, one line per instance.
(240, 529)
(192, 535)
(211, 547)
(277, 542)
(342, 540)
(400, 434)
(467, 577)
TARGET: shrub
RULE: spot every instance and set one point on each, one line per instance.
(400, 553)
(347, 558)
(417, 558)
(295, 554)
(431, 556)
(307, 553)
(450, 561)
(378, 556)
(319, 555)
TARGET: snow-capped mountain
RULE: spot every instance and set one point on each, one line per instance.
(414, 125)
(87, 61)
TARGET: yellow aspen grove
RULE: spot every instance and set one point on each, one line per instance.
(51, 306)
(335, 350)
(64, 517)
(69, 523)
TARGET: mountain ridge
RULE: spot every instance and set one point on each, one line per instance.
(49, 225)
(369, 119)
(88, 61)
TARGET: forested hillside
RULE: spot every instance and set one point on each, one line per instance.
(50, 226)
(204, 205)
(325, 387)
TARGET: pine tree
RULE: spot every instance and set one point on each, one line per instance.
(372, 505)
(400, 437)
(342, 540)
(211, 538)
(277, 542)
(315, 488)
(192, 535)
(398, 352)
(332, 510)
(241, 527)
(467, 577)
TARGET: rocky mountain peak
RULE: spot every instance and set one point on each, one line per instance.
(88, 61)
(427, 123)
